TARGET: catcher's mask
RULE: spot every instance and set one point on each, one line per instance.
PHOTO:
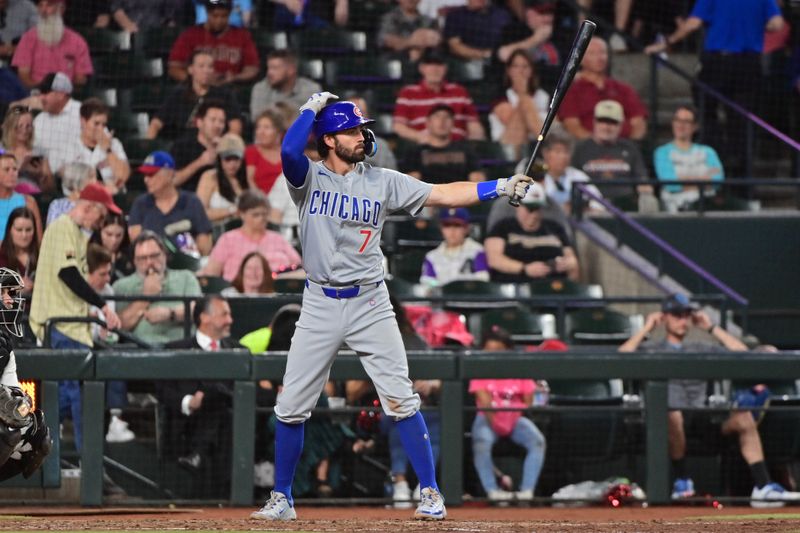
(13, 302)
(340, 116)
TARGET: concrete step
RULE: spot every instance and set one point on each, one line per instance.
(634, 68)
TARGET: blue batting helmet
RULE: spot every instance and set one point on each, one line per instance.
(339, 116)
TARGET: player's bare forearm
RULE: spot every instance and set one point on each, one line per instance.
(456, 194)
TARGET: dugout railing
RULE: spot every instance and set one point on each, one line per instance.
(652, 370)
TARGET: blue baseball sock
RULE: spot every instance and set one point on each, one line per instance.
(288, 447)
(417, 444)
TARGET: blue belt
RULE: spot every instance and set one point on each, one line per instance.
(342, 293)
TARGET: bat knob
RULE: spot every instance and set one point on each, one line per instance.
(514, 201)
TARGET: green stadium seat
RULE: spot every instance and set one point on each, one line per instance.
(366, 16)
(156, 42)
(108, 95)
(383, 125)
(105, 41)
(125, 124)
(328, 42)
(289, 285)
(312, 68)
(149, 97)
(213, 284)
(267, 41)
(383, 97)
(364, 70)
(251, 313)
(401, 288)
(564, 287)
(524, 326)
(598, 326)
(490, 295)
(460, 71)
(182, 261)
(137, 148)
(407, 265)
(121, 70)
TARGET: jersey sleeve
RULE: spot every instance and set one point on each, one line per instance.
(665, 170)
(296, 165)
(182, 48)
(406, 193)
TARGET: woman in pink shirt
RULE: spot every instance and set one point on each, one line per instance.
(263, 157)
(491, 425)
(232, 246)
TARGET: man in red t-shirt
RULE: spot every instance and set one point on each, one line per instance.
(235, 55)
(414, 103)
(592, 85)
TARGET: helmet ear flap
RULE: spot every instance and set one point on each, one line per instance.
(370, 142)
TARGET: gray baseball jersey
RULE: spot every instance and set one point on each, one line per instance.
(341, 219)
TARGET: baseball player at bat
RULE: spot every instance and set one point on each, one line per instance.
(343, 204)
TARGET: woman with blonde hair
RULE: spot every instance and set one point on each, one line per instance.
(17, 138)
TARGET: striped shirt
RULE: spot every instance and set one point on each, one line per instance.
(415, 101)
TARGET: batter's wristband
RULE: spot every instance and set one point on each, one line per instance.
(487, 190)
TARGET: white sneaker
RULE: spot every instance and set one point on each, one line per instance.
(772, 495)
(276, 508)
(118, 431)
(431, 506)
(499, 495)
(401, 495)
(524, 495)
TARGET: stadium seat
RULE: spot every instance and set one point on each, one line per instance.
(149, 96)
(121, 70)
(182, 261)
(407, 265)
(490, 153)
(460, 71)
(564, 287)
(400, 234)
(364, 70)
(251, 313)
(312, 68)
(212, 284)
(401, 288)
(383, 125)
(267, 41)
(108, 95)
(125, 124)
(383, 97)
(137, 148)
(524, 326)
(156, 42)
(368, 14)
(289, 285)
(489, 295)
(328, 42)
(598, 326)
(105, 41)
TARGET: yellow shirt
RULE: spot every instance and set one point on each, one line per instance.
(63, 245)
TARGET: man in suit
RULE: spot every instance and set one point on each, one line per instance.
(198, 412)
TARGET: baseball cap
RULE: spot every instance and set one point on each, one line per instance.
(542, 6)
(536, 197)
(459, 215)
(433, 55)
(94, 192)
(155, 162)
(442, 107)
(230, 145)
(609, 110)
(55, 81)
(678, 303)
(219, 4)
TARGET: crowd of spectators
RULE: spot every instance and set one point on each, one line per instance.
(217, 193)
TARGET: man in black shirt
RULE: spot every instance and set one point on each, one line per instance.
(179, 110)
(527, 246)
(196, 151)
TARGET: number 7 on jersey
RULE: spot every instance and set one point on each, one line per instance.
(367, 233)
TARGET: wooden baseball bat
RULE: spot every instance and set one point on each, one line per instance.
(579, 46)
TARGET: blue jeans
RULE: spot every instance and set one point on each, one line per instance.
(525, 433)
(116, 394)
(397, 454)
(69, 391)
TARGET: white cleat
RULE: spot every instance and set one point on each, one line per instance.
(431, 505)
(276, 508)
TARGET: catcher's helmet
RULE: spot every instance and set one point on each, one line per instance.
(12, 301)
(340, 116)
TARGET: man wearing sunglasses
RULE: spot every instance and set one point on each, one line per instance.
(679, 316)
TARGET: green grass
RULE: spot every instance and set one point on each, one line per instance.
(765, 516)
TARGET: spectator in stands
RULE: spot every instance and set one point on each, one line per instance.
(606, 157)
(98, 147)
(59, 121)
(221, 186)
(17, 139)
(19, 250)
(528, 246)
(281, 84)
(459, 257)
(439, 159)
(233, 245)
(517, 117)
(241, 14)
(156, 322)
(404, 30)
(62, 291)
(198, 411)
(177, 113)
(414, 102)
(254, 277)
(683, 159)
(622, 13)
(315, 14)
(9, 198)
(134, 16)
(74, 178)
(235, 54)
(263, 157)
(52, 47)
(19, 16)
(491, 425)
(474, 31)
(174, 214)
(385, 157)
(113, 236)
(196, 151)
(731, 63)
(593, 84)
(532, 34)
(560, 174)
(679, 315)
